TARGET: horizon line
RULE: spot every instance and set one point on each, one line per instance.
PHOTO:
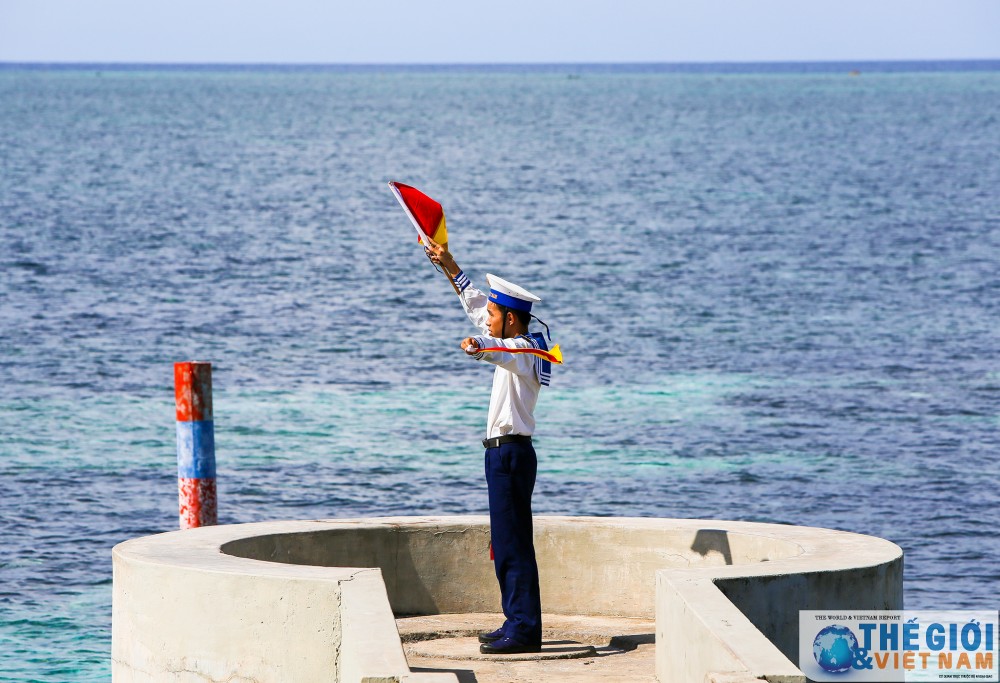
(865, 60)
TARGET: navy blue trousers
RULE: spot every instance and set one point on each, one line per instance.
(510, 478)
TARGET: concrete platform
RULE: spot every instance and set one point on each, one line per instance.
(574, 649)
(317, 600)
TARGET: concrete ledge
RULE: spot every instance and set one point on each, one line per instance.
(743, 620)
(316, 600)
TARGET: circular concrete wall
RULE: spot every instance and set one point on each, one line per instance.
(587, 566)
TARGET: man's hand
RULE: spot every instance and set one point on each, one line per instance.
(439, 255)
(470, 346)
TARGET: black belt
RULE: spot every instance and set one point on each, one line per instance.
(509, 438)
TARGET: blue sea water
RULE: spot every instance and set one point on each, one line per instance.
(776, 289)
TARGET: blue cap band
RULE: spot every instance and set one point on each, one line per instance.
(502, 299)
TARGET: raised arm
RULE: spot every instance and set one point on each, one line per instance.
(440, 256)
(473, 301)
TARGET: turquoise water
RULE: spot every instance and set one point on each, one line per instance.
(776, 292)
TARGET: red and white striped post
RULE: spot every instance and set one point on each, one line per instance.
(195, 444)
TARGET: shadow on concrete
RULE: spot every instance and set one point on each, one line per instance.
(713, 540)
(631, 642)
(463, 675)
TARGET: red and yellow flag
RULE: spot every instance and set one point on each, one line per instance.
(553, 356)
(426, 214)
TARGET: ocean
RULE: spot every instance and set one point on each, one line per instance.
(777, 289)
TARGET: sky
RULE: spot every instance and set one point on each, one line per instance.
(513, 31)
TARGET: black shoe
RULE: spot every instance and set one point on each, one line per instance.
(507, 646)
(491, 636)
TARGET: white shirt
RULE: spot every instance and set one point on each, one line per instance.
(515, 381)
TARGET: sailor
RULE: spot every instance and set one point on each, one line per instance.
(502, 317)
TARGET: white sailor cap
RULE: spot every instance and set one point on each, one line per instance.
(508, 294)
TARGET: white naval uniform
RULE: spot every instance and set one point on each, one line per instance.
(516, 381)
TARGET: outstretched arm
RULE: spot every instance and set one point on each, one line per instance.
(519, 364)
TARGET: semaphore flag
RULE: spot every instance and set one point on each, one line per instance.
(426, 214)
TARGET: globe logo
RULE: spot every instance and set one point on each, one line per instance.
(834, 648)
